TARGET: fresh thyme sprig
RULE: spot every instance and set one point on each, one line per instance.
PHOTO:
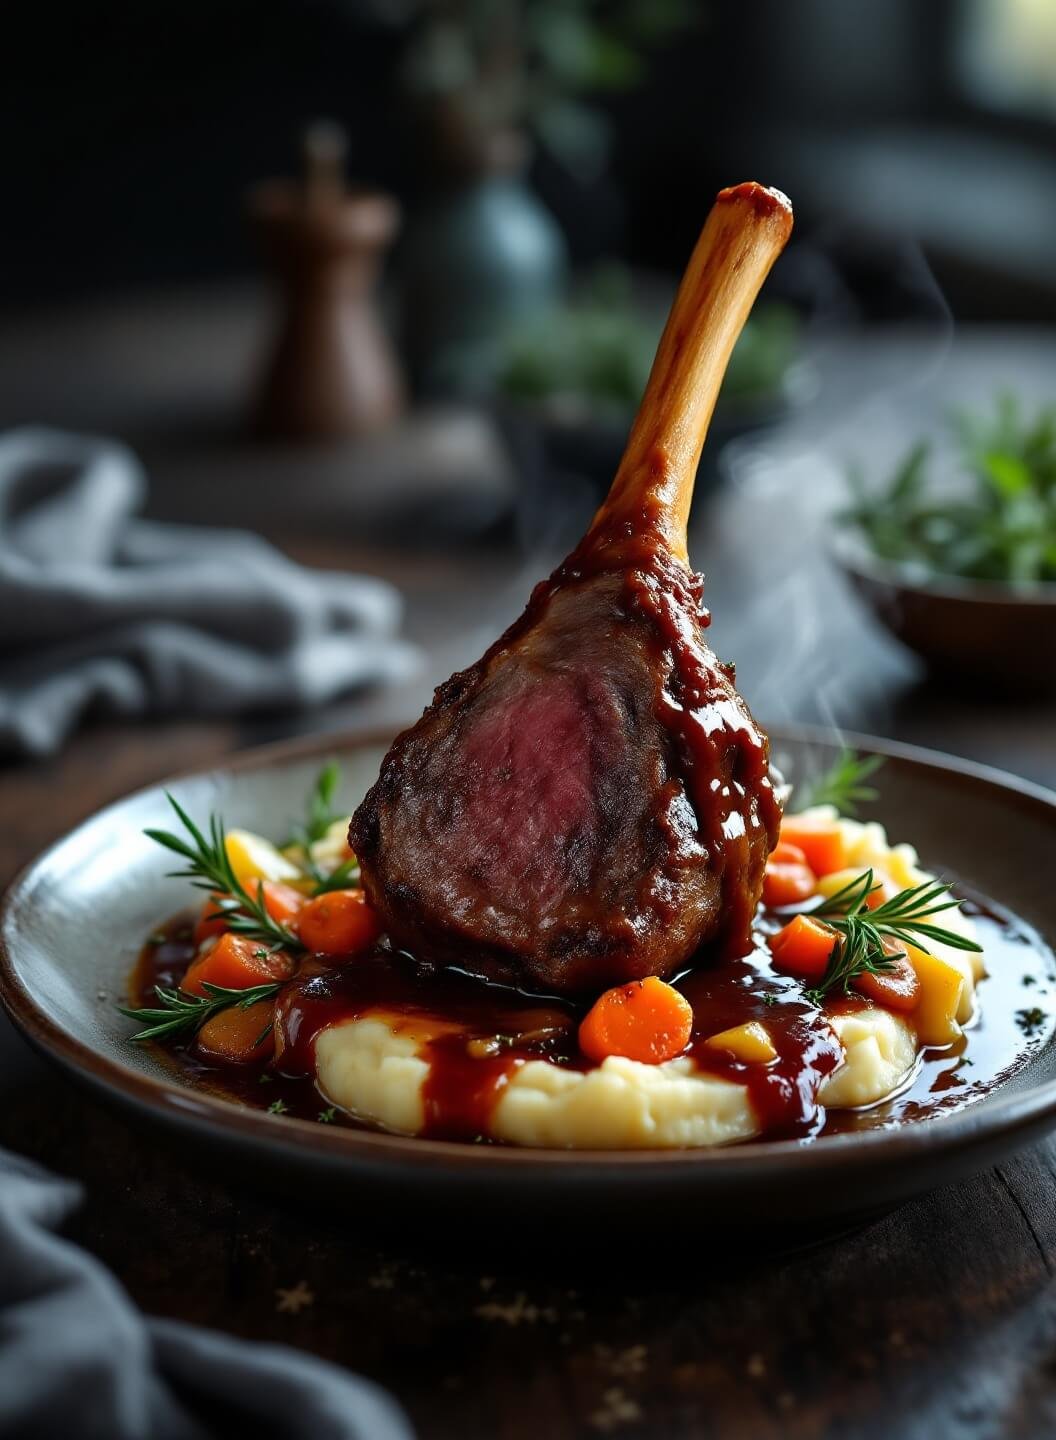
(842, 784)
(320, 815)
(858, 948)
(177, 1011)
(208, 868)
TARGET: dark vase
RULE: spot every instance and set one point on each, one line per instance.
(482, 253)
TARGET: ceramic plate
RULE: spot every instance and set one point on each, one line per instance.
(73, 920)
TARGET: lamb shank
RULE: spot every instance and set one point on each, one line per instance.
(591, 802)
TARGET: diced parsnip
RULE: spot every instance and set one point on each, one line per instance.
(333, 849)
(328, 852)
(941, 989)
(971, 962)
(901, 864)
(253, 858)
(829, 885)
(749, 1043)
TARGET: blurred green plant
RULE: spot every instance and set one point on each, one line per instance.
(995, 521)
(535, 64)
(597, 350)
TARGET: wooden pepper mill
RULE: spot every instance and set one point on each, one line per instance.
(332, 372)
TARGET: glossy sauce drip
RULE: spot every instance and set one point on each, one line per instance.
(464, 1081)
(1021, 979)
(723, 755)
(454, 1013)
(784, 1093)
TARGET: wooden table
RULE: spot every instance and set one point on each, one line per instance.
(939, 1319)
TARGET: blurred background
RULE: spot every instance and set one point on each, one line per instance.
(382, 282)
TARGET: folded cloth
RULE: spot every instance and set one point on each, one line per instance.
(77, 1359)
(100, 610)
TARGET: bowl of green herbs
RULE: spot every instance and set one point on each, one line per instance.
(955, 550)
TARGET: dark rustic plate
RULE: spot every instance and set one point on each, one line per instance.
(73, 920)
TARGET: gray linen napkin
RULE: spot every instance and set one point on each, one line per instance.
(77, 1359)
(100, 610)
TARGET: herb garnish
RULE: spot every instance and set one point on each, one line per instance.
(997, 522)
(326, 1117)
(842, 784)
(1030, 1021)
(319, 816)
(278, 1107)
(177, 1011)
(209, 868)
(858, 946)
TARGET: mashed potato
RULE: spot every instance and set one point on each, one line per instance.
(375, 1067)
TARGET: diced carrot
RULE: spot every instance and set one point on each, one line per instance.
(340, 923)
(237, 963)
(787, 879)
(803, 947)
(282, 902)
(646, 1020)
(820, 840)
(239, 1036)
(209, 922)
(897, 989)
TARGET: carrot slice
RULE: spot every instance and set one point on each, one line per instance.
(239, 1036)
(237, 963)
(282, 902)
(821, 842)
(646, 1020)
(786, 883)
(897, 989)
(803, 947)
(340, 923)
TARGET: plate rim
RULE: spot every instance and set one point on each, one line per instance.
(178, 1104)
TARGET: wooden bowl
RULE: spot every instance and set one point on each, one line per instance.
(74, 919)
(991, 636)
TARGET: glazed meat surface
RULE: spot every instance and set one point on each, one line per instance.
(536, 827)
(591, 802)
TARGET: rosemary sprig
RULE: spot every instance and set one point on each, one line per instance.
(208, 868)
(319, 816)
(842, 784)
(858, 947)
(177, 1011)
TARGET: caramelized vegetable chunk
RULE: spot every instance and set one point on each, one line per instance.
(803, 947)
(340, 923)
(788, 878)
(896, 989)
(821, 842)
(237, 963)
(750, 1043)
(282, 902)
(239, 1036)
(646, 1020)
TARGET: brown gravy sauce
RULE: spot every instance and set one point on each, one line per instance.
(475, 1035)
